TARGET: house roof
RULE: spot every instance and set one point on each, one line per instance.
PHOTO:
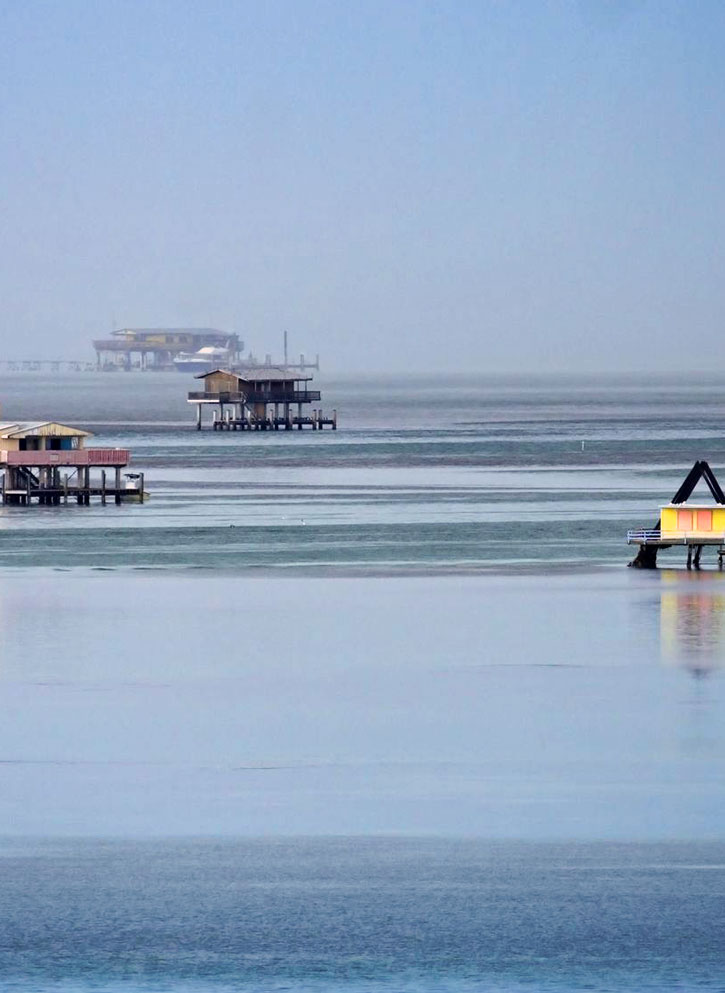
(41, 429)
(194, 331)
(259, 375)
(692, 506)
(215, 372)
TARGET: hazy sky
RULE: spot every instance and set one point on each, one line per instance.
(472, 184)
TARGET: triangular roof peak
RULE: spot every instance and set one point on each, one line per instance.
(38, 429)
(700, 470)
(259, 374)
(213, 372)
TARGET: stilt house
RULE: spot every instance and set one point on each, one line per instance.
(34, 455)
(265, 398)
(694, 525)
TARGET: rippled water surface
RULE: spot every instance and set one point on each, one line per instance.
(376, 710)
(422, 474)
(361, 915)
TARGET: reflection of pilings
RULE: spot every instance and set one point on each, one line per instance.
(692, 621)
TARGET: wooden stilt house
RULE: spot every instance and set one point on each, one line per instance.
(266, 398)
(48, 463)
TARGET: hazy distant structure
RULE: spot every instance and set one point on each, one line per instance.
(252, 365)
(163, 348)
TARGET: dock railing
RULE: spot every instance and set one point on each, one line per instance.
(288, 396)
(644, 534)
(69, 457)
(256, 396)
(196, 396)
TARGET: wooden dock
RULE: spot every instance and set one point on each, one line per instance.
(47, 463)
(652, 541)
(52, 478)
(228, 421)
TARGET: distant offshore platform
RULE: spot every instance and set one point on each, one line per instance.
(187, 350)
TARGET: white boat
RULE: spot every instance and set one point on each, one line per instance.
(206, 359)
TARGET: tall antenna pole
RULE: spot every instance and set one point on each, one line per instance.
(285, 349)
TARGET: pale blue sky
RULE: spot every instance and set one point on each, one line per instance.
(472, 185)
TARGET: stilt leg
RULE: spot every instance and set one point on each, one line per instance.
(646, 558)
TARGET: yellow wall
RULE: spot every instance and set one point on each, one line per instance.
(169, 339)
(671, 525)
(158, 339)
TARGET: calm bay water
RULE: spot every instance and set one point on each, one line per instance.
(422, 474)
(388, 703)
(361, 915)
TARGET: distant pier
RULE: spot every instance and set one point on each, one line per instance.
(186, 350)
(161, 348)
(46, 365)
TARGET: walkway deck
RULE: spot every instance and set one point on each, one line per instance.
(659, 539)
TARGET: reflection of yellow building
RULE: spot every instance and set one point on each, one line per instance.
(692, 621)
(693, 520)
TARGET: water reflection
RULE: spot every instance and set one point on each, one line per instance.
(692, 621)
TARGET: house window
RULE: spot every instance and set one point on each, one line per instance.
(684, 520)
(704, 520)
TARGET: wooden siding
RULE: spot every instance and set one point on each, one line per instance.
(221, 382)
